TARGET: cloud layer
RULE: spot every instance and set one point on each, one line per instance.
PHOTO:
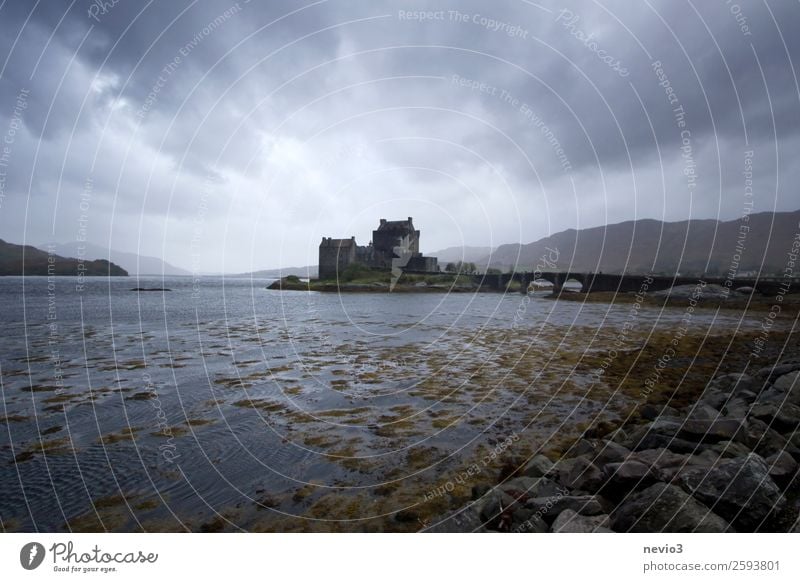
(228, 136)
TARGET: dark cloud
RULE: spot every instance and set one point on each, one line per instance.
(231, 136)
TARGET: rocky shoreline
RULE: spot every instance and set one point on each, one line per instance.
(728, 463)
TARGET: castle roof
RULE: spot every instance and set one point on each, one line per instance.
(402, 225)
(337, 242)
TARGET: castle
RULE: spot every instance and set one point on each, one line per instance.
(394, 245)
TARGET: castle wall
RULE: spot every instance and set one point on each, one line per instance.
(335, 255)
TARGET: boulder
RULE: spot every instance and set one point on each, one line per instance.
(786, 382)
(502, 512)
(652, 412)
(549, 507)
(530, 524)
(702, 411)
(782, 417)
(772, 373)
(465, 521)
(665, 508)
(659, 441)
(582, 448)
(729, 449)
(538, 466)
(740, 490)
(736, 408)
(790, 386)
(570, 522)
(781, 465)
(492, 505)
(626, 476)
(580, 473)
(733, 383)
(611, 452)
(715, 399)
(713, 430)
(767, 441)
(528, 487)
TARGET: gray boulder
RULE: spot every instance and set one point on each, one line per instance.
(767, 441)
(665, 508)
(626, 476)
(713, 430)
(772, 373)
(733, 383)
(611, 452)
(781, 465)
(492, 505)
(783, 417)
(549, 507)
(730, 449)
(786, 382)
(660, 441)
(581, 474)
(538, 466)
(740, 490)
(570, 522)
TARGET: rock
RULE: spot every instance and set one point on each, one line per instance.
(734, 383)
(713, 430)
(549, 507)
(736, 408)
(781, 465)
(766, 441)
(674, 444)
(619, 436)
(747, 396)
(772, 373)
(715, 399)
(583, 448)
(465, 521)
(665, 463)
(665, 508)
(611, 452)
(570, 522)
(527, 487)
(782, 417)
(729, 449)
(626, 476)
(521, 487)
(702, 411)
(660, 458)
(492, 505)
(789, 385)
(652, 412)
(538, 466)
(532, 524)
(581, 474)
(740, 490)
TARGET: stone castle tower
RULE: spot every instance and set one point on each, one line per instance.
(394, 244)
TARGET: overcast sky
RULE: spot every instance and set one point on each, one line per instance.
(232, 136)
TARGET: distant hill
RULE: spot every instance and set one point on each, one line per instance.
(463, 253)
(641, 246)
(131, 262)
(36, 262)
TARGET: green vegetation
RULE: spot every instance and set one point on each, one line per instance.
(357, 277)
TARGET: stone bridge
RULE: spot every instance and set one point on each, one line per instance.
(592, 282)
